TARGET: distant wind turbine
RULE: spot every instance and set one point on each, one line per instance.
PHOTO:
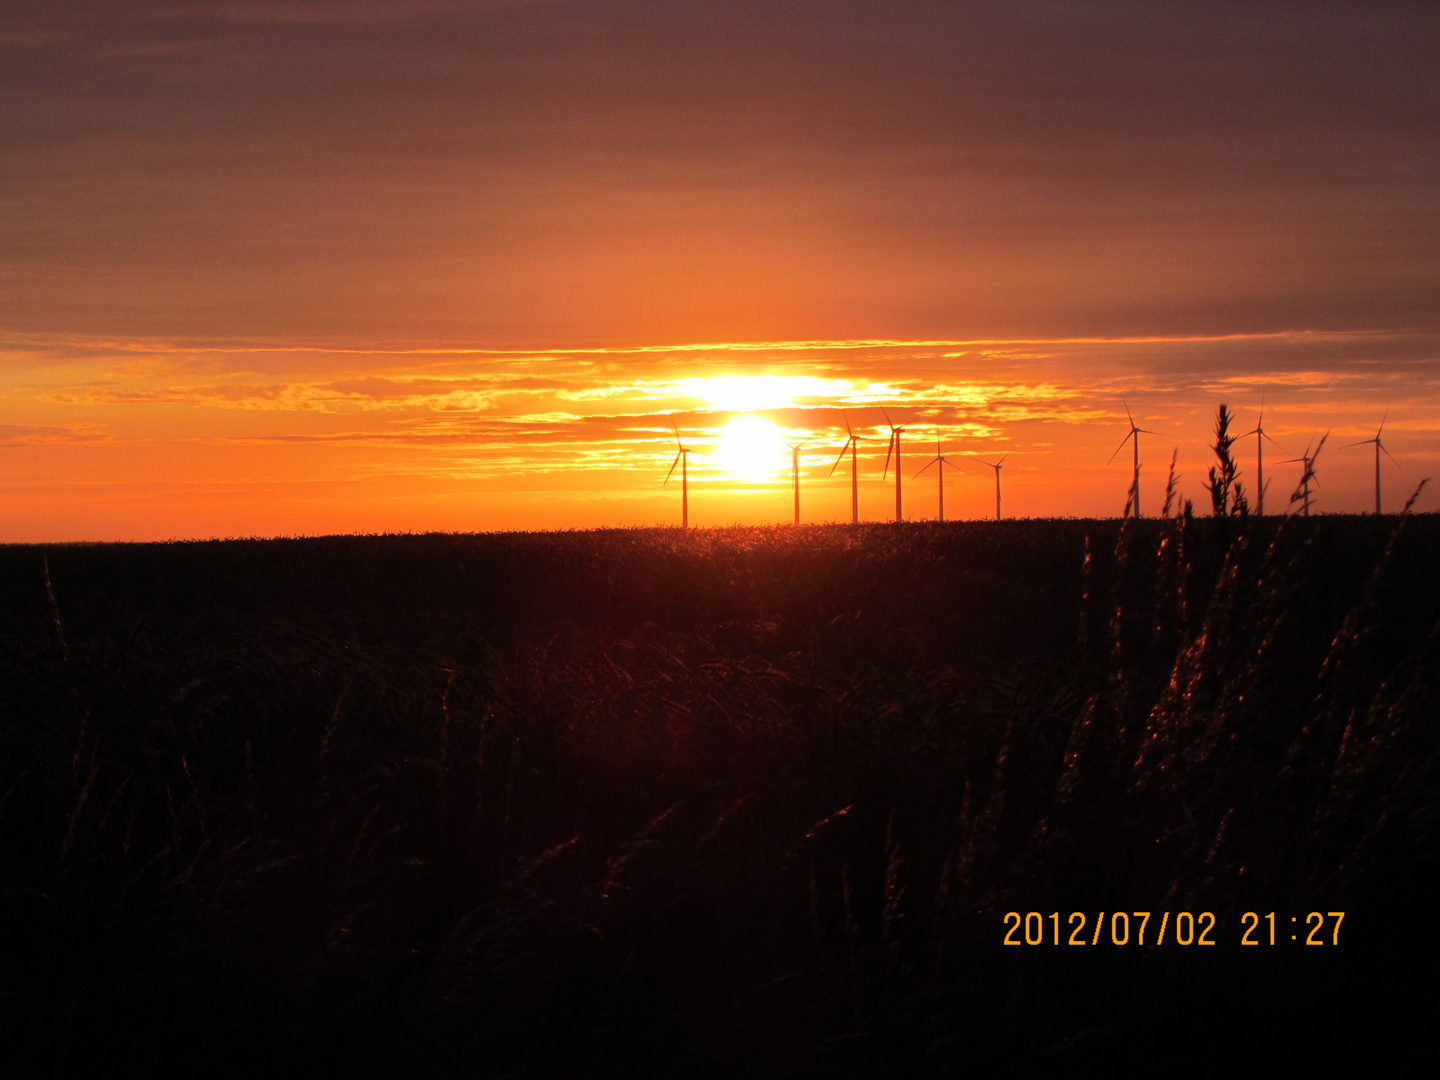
(795, 474)
(681, 459)
(1302, 489)
(1260, 437)
(852, 444)
(894, 448)
(996, 466)
(1379, 446)
(939, 459)
(1135, 433)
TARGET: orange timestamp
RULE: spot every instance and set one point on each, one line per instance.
(1178, 928)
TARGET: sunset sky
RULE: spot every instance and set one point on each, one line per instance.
(275, 268)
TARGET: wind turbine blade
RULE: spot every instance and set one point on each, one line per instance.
(847, 424)
(1003, 457)
(887, 418)
(672, 469)
(932, 461)
(1383, 418)
(1123, 441)
(1362, 442)
(1127, 412)
(888, 450)
(1386, 452)
(842, 455)
(1275, 444)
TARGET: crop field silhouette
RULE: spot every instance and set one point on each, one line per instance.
(737, 802)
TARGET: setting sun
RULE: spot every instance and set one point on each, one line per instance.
(751, 450)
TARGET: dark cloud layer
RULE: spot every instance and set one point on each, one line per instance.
(626, 171)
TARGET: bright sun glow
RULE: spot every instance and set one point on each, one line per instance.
(751, 450)
(743, 393)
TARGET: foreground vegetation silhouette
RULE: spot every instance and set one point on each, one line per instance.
(747, 802)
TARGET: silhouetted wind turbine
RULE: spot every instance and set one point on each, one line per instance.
(1260, 437)
(681, 459)
(939, 459)
(1302, 490)
(851, 444)
(1135, 433)
(1379, 446)
(996, 466)
(795, 474)
(894, 448)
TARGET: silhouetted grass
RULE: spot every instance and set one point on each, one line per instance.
(745, 802)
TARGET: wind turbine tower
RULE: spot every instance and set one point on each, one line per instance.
(1308, 477)
(1135, 433)
(795, 475)
(1260, 437)
(1379, 446)
(682, 459)
(939, 460)
(851, 444)
(894, 448)
(996, 466)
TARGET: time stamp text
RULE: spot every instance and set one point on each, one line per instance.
(1169, 928)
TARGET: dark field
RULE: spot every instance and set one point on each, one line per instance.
(747, 802)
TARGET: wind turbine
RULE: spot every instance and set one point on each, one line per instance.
(996, 466)
(795, 473)
(1260, 437)
(939, 459)
(1135, 433)
(894, 448)
(1379, 446)
(1302, 490)
(681, 459)
(852, 444)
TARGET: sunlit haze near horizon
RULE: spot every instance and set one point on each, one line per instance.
(295, 268)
